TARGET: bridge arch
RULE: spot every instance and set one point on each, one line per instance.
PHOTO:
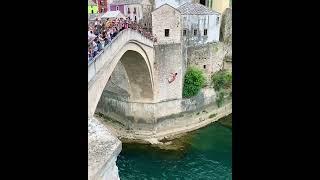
(137, 59)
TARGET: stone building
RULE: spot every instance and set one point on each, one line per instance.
(216, 5)
(173, 3)
(191, 24)
(147, 8)
(138, 10)
(200, 25)
(166, 24)
(194, 30)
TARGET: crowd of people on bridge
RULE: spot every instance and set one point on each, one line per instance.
(101, 33)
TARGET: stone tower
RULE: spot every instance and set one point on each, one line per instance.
(166, 25)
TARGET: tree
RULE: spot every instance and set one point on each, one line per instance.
(193, 82)
(221, 80)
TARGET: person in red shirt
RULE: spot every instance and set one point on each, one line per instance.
(173, 77)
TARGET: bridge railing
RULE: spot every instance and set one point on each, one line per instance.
(121, 32)
(100, 52)
(94, 66)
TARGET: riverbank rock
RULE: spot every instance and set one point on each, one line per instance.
(153, 141)
(226, 121)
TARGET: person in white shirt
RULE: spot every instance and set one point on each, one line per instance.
(91, 35)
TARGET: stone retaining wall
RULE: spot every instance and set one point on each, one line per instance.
(148, 116)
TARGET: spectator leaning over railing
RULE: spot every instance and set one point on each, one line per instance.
(100, 34)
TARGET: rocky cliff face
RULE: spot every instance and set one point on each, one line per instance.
(226, 27)
(226, 37)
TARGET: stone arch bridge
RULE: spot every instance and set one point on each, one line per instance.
(151, 98)
(136, 53)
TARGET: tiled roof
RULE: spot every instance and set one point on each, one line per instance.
(195, 9)
(165, 4)
(127, 2)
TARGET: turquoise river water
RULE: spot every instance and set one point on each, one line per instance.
(205, 154)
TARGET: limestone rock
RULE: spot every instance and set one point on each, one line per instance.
(103, 149)
(226, 38)
(226, 27)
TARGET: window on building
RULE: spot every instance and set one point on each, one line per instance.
(184, 32)
(218, 18)
(205, 32)
(135, 18)
(203, 2)
(204, 66)
(92, 11)
(145, 24)
(128, 10)
(117, 8)
(134, 10)
(195, 32)
(166, 32)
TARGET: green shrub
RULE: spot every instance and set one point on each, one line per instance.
(193, 82)
(220, 99)
(221, 80)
